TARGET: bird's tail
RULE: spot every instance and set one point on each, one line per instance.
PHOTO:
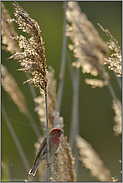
(33, 170)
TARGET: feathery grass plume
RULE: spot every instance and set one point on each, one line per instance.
(58, 120)
(40, 100)
(114, 62)
(63, 168)
(96, 82)
(92, 161)
(7, 32)
(88, 47)
(118, 118)
(32, 59)
(40, 109)
(10, 86)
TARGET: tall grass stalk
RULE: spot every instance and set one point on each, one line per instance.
(47, 127)
(74, 129)
(16, 140)
(33, 124)
(63, 62)
(118, 80)
(32, 90)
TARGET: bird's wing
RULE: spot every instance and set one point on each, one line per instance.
(42, 150)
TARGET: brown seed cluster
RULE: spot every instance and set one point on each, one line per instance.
(32, 59)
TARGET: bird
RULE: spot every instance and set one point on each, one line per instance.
(54, 140)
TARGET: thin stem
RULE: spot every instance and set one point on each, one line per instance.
(71, 69)
(118, 80)
(15, 138)
(74, 73)
(34, 96)
(76, 154)
(112, 92)
(31, 87)
(47, 135)
(74, 131)
(35, 128)
(63, 60)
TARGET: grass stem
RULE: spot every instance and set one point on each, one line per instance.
(15, 138)
(33, 124)
(47, 127)
(63, 61)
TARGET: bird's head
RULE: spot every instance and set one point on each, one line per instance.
(56, 132)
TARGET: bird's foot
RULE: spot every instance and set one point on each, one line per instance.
(48, 165)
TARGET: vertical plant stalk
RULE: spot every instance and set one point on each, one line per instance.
(47, 127)
(71, 69)
(63, 61)
(18, 145)
(112, 92)
(74, 73)
(31, 87)
(118, 80)
(33, 124)
(34, 96)
(74, 130)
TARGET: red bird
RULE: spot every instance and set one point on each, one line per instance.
(54, 140)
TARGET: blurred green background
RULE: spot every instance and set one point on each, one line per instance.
(95, 105)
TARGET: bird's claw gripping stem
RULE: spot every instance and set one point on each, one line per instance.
(48, 165)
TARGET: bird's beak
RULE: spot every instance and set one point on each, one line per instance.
(62, 132)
